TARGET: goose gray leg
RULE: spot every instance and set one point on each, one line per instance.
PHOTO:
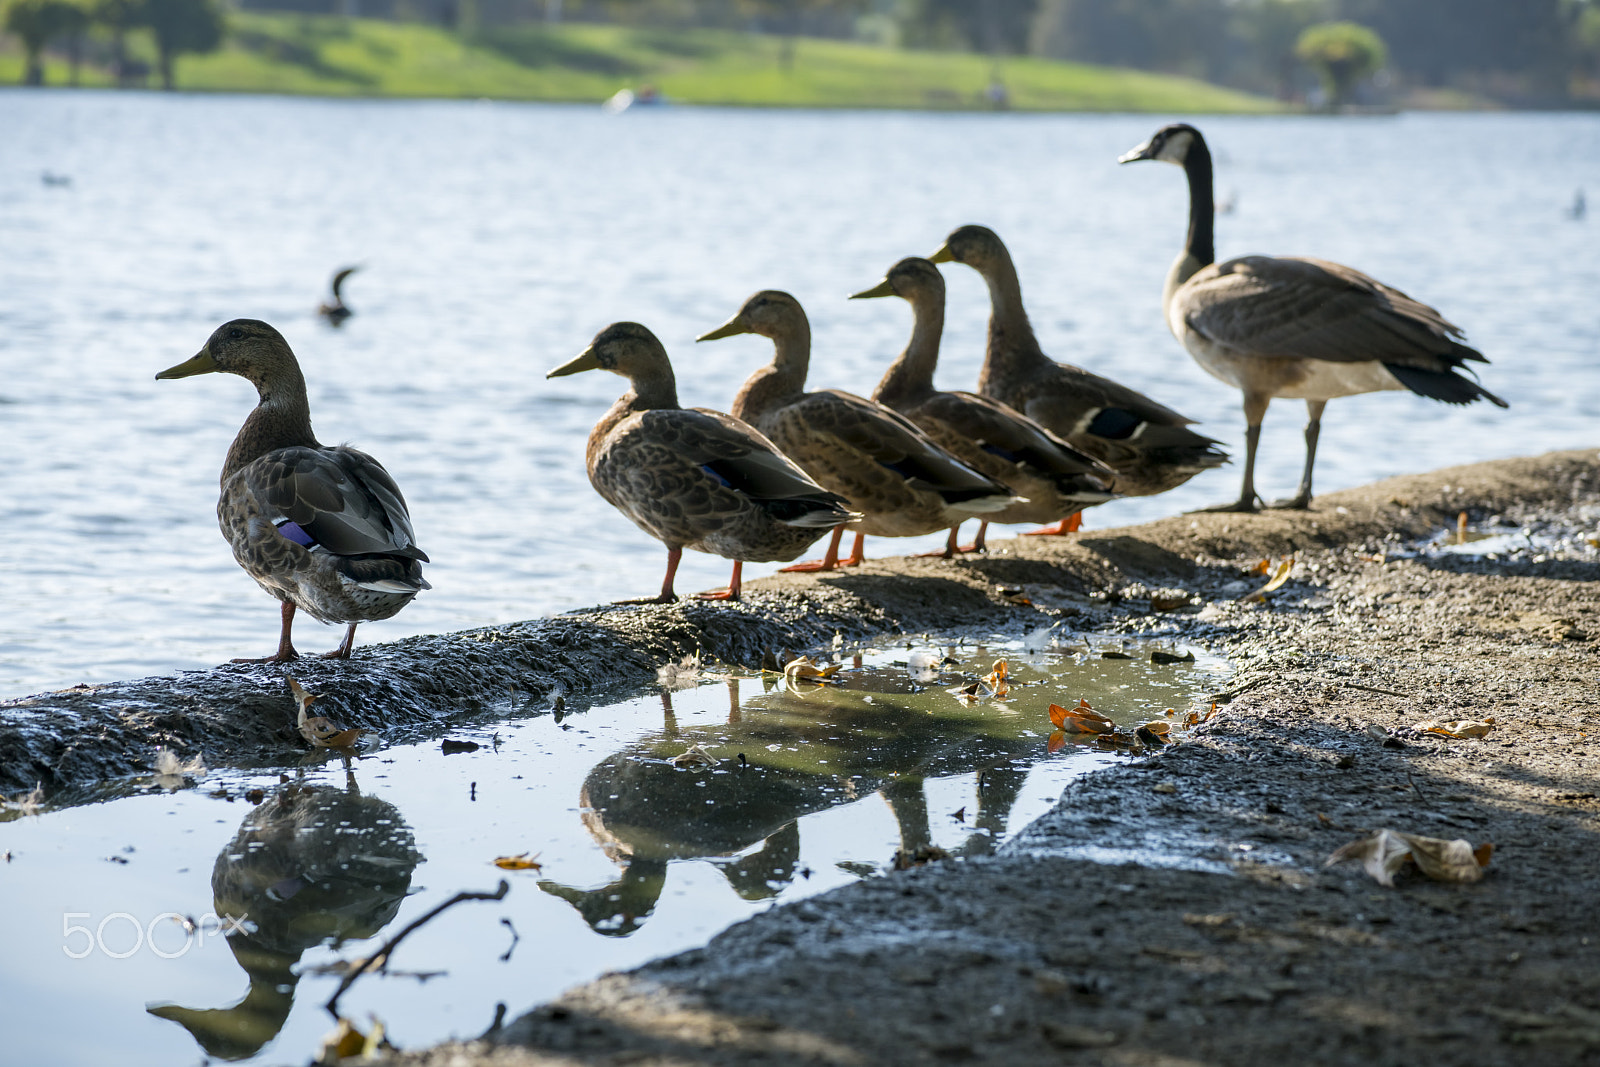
(1302, 497)
(1255, 409)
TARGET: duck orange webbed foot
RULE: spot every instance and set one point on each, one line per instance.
(1071, 524)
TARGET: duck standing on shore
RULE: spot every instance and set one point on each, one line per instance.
(320, 528)
(1054, 478)
(1292, 326)
(1149, 445)
(901, 482)
(691, 477)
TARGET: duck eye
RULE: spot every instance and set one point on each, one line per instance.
(235, 333)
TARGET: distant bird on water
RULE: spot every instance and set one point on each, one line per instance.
(1579, 207)
(320, 528)
(692, 477)
(337, 312)
(1297, 327)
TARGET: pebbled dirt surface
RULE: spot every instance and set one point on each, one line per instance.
(1174, 911)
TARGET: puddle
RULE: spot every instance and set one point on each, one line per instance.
(113, 907)
(1534, 538)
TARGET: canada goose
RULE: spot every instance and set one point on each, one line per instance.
(336, 312)
(1291, 326)
(1149, 445)
(900, 481)
(691, 477)
(1054, 478)
(320, 528)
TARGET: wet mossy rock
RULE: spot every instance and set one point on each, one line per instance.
(416, 688)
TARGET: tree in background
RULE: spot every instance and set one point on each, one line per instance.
(182, 26)
(1270, 29)
(38, 22)
(119, 16)
(1342, 53)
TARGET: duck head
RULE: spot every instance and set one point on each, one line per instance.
(770, 313)
(624, 348)
(1169, 144)
(912, 278)
(246, 347)
(977, 246)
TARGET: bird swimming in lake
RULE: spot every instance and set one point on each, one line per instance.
(901, 482)
(336, 312)
(320, 528)
(1054, 478)
(692, 477)
(1149, 445)
(1297, 327)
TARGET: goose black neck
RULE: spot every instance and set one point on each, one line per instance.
(1202, 203)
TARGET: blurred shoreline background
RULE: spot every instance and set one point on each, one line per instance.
(1235, 56)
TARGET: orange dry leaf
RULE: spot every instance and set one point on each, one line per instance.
(996, 680)
(1057, 739)
(1460, 729)
(1081, 719)
(1279, 576)
(520, 862)
(320, 730)
(803, 669)
(1264, 567)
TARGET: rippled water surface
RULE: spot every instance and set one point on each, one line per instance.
(496, 239)
(813, 787)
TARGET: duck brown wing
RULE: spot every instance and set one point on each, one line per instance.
(339, 498)
(1284, 306)
(895, 442)
(743, 458)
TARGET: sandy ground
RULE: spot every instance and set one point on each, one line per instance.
(1175, 910)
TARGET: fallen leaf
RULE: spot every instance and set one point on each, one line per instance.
(996, 680)
(1280, 576)
(1057, 739)
(1161, 658)
(320, 730)
(520, 862)
(1386, 851)
(803, 669)
(1169, 603)
(1460, 729)
(1082, 719)
(695, 756)
(1264, 567)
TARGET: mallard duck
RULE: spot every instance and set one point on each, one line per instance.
(1054, 478)
(1296, 327)
(1150, 446)
(902, 483)
(323, 529)
(336, 312)
(691, 477)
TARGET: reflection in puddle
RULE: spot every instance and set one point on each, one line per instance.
(310, 865)
(812, 787)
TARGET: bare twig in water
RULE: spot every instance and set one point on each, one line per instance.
(380, 959)
(515, 937)
(1228, 694)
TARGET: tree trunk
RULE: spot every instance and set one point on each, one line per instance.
(165, 63)
(33, 73)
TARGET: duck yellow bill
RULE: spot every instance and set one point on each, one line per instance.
(728, 329)
(943, 255)
(201, 363)
(583, 361)
(883, 288)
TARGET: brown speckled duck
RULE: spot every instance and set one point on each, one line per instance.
(692, 477)
(320, 528)
(1054, 478)
(890, 471)
(1150, 446)
(1292, 326)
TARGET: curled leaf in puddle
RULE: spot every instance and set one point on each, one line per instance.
(1386, 851)
(1082, 719)
(170, 771)
(996, 680)
(347, 1043)
(520, 862)
(1194, 718)
(1279, 576)
(1169, 603)
(320, 730)
(1459, 729)
(695, 757)
(1161, 658)
(805, 670)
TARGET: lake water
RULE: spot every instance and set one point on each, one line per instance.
(496, 239)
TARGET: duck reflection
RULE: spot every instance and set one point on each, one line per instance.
(782, 756)
(311, 864)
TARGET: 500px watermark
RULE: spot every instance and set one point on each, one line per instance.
(119, 935)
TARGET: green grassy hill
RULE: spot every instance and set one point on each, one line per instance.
(283, 53)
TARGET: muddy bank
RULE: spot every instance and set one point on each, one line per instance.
(239, 713)
(1175, 911)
